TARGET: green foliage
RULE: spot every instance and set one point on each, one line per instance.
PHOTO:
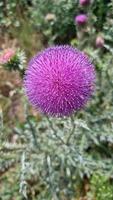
(101, 188)
(10, 11)
(55, 19)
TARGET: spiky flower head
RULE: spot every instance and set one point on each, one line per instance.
(84, 2)
(6, 55)
(13, 59)
(59, 80)
(81, 19)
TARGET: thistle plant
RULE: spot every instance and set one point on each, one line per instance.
(58, 82)
(12, 59)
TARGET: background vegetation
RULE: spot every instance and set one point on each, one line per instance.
(39, 160)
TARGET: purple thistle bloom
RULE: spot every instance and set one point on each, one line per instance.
(59, 80)
(81, 19)
(84, 2)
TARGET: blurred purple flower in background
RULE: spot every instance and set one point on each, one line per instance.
(99, 42)
(59, 80)
(84, 2)
(81, 19)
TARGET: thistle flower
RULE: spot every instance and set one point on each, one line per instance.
(84, 2)
(13, 59)
(6, 55)
(59, 80)
(81, 19)
(99, 42)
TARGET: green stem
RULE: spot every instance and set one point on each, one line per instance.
(72, 131)
(54, 131)
(32, 132)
